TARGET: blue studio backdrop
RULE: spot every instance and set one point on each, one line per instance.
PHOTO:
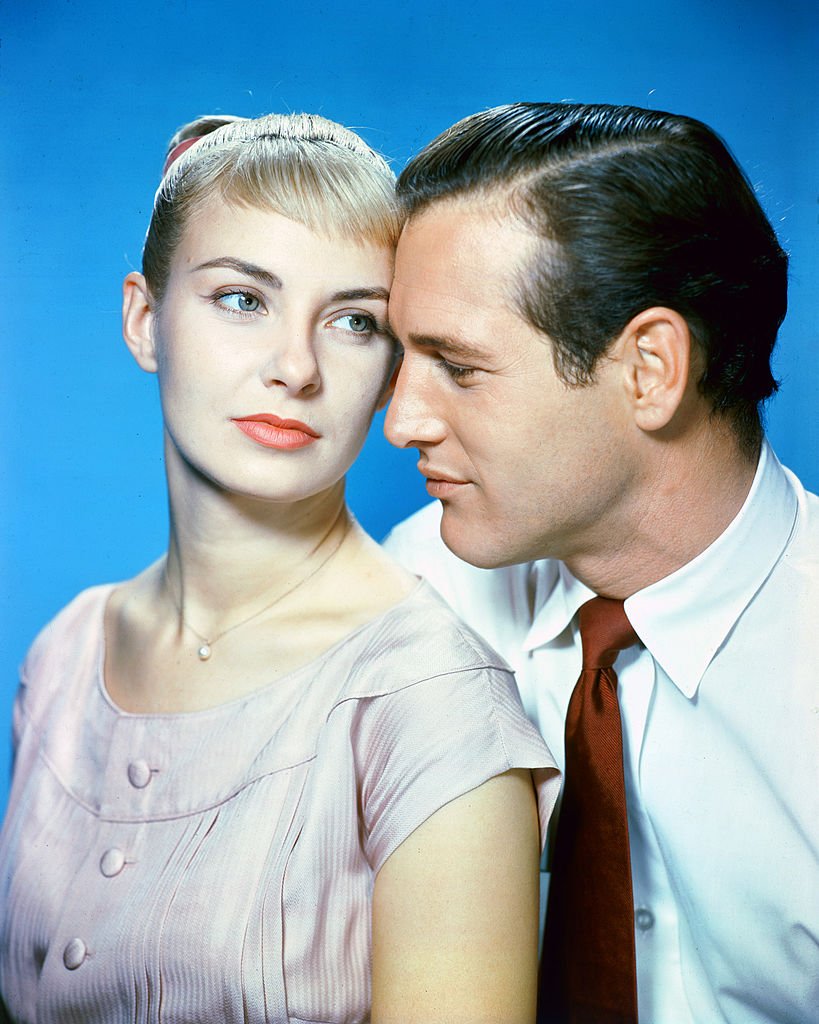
(90, 93)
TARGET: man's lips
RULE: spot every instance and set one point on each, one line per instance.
(274, 432)
(441, 484)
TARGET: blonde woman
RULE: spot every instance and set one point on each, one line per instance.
(271, 778)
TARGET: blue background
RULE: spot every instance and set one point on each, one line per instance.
(89, 93)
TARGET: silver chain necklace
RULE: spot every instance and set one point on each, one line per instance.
(205, 648)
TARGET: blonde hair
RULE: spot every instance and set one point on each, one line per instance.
(302, 166)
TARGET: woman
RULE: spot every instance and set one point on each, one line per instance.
(271, 778)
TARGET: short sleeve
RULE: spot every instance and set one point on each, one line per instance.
(17, 716)
(19, 711)
(421, 746)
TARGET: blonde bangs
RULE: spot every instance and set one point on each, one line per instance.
(326, 188)
(302, 166)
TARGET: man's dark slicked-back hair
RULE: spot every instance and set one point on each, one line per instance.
(635, 208)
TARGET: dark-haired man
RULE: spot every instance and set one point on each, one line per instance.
(588, 298)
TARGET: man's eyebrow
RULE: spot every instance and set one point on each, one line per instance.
(243, 267)
(446, 345)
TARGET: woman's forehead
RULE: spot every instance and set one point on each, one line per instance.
(266, 244)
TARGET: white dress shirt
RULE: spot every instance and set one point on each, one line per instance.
(720, 714)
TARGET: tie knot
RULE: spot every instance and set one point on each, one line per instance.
(604, 632)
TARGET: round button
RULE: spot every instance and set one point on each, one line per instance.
(112, 862)
(74, 954)
(644, 919)
(139, 774)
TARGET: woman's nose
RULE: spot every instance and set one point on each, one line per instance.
(412, 419)
(292, 363)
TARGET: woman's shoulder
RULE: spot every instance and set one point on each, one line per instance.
(419, 671)
(435, 713)
(74, 631)
(418, 638)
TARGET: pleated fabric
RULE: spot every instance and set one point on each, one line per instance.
(218, 865)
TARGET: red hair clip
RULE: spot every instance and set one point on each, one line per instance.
(178, 150)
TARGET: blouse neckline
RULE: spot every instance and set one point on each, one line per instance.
(260, 692)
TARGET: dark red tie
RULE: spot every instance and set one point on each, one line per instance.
(588, 971)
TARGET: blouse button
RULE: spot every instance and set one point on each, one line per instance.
(139, 774)
(112, 862)
(74, 954)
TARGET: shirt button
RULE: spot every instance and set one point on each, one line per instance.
(644, 919)
(112, 862)
(139, 774)
(74, 954)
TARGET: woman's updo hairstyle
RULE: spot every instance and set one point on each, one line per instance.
(302, 166)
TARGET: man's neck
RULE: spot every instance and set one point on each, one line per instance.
(687, 498)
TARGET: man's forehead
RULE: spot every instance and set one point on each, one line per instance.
(456, 257)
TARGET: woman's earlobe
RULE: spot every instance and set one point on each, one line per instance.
(138, 314)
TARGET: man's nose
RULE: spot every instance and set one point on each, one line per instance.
(412, 420)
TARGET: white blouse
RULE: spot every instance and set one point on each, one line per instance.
(218, 865)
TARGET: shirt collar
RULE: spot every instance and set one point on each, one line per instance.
(684, 618)
(703, 599)
(558, 595)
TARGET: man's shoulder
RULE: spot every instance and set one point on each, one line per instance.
(416, 543)
(423, 526)
(807, 498)
(495, 602)
(804, 542)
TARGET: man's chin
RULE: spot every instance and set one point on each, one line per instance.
(474, 543)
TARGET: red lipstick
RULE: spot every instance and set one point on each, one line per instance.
(273, 432)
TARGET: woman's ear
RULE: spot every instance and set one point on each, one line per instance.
(656, 357)
(138, 315)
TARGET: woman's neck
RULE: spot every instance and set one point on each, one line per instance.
(229, 556)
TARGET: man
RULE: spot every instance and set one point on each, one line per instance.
(588, 298)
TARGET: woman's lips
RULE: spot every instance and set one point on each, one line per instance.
(273, 432)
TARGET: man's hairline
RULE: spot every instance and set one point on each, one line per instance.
(501, 196)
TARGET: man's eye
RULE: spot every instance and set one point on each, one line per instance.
(239, 302)
(455, 371)
(358, 323)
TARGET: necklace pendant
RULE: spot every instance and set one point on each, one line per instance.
(204, 652)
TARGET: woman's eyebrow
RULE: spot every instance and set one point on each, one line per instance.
(354, 294)
(274, 281)
(243, 267)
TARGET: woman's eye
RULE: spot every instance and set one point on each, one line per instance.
(358, 323)
(239, 302)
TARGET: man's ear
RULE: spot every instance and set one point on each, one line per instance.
(656, 357)
(138, 315)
